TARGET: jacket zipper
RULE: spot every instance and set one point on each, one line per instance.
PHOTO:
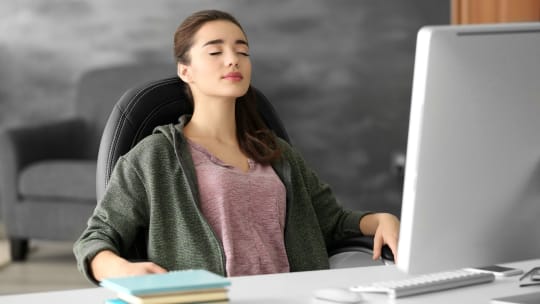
(197, 204)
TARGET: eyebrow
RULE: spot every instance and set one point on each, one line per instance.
(221, 41)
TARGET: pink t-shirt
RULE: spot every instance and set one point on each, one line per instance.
(246, 211)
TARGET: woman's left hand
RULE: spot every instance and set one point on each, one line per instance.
(385, 230)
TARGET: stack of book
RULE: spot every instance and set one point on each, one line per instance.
(186, 286)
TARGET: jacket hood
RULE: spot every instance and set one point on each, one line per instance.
(171, 131)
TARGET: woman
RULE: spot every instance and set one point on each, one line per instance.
(218, 190)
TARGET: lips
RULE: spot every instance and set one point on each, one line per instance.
(234, 76)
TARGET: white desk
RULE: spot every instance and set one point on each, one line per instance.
(298, 288)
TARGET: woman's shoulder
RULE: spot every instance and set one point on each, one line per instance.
(159, 143)
(288, 152)
(151, 144)
(285, 146)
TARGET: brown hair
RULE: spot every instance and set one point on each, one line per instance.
(254, 137)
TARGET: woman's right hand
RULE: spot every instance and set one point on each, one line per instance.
(106, 264)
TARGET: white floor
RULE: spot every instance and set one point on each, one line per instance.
(50, 266)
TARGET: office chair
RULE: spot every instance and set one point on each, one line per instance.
(142, 108)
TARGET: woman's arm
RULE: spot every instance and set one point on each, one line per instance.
(114, 225)
(337, 223)
(385, 230)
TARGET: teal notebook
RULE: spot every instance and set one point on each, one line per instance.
(174, 281)
(115, 301)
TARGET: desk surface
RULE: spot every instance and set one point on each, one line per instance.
(298, 288)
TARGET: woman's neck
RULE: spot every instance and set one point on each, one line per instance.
(213, 120)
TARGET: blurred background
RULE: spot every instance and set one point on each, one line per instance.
(338, 72)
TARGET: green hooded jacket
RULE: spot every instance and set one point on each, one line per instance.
(150, 211)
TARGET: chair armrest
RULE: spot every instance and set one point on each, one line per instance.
(359, 243)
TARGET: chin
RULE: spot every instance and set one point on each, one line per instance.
(236, 92)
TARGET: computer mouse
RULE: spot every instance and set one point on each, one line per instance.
(338, 295)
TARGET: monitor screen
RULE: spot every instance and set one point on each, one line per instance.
(471, 194)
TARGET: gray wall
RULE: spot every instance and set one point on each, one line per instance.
(339, 72)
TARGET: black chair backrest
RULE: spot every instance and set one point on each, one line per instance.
(147, 106)
(99, 88)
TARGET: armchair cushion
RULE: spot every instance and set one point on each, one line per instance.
(70, 180)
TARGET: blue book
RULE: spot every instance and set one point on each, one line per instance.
(174, 281)
(115, 301)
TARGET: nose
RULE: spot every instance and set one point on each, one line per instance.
(232, 59)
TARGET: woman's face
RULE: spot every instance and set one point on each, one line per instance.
(220, 64)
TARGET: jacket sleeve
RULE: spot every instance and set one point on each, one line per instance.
(336, 223)
(116, 220)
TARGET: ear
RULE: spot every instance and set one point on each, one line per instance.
(184, 72)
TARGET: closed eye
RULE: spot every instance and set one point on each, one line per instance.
(214, 53)
(244, 54)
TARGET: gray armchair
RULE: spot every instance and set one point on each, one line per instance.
(48, 170)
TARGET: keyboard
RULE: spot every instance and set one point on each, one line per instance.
(427, 283)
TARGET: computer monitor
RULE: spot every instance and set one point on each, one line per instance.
(471, 194)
